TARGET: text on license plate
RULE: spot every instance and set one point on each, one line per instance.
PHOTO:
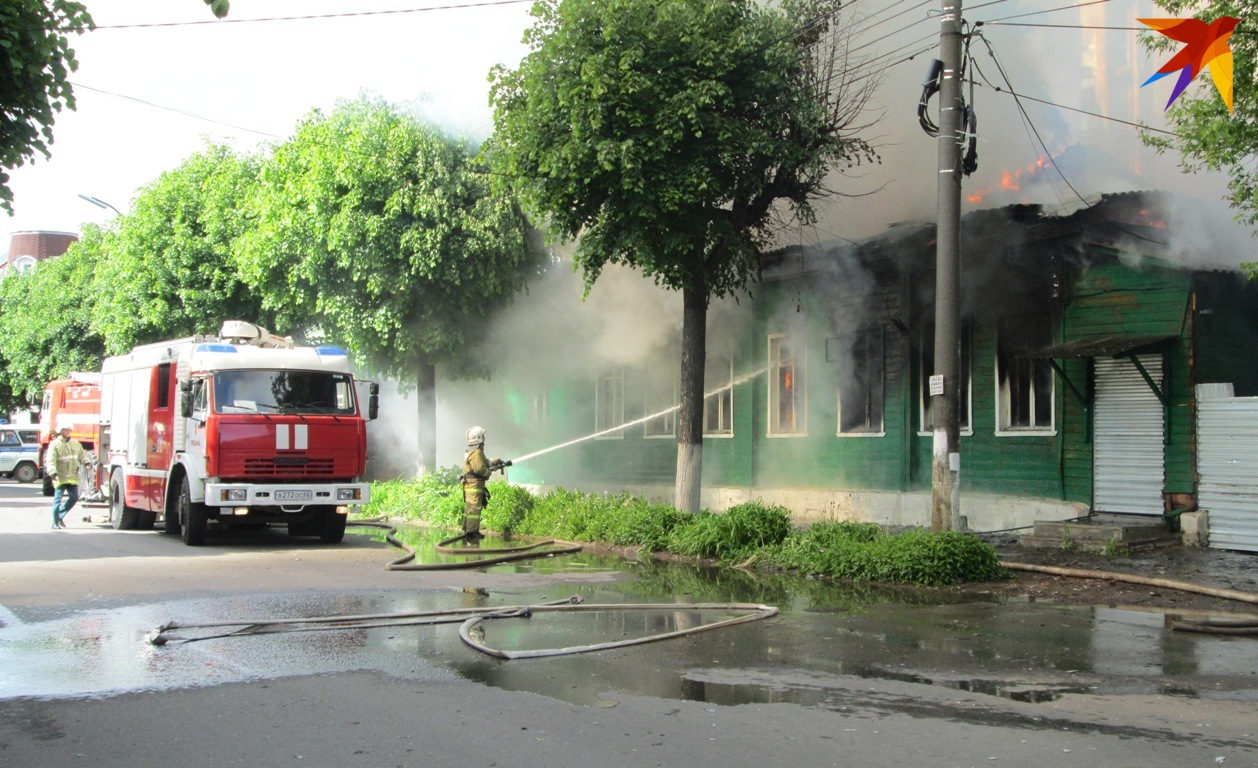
(292, 495)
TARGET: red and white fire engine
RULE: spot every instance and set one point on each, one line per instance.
(243, 429)
(74, 399)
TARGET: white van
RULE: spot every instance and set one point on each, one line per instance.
(19, 454)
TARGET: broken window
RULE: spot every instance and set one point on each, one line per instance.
(858, 360)
(926, 369)
(786, 387)
(1024, 387)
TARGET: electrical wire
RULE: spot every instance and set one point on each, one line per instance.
(314, 16)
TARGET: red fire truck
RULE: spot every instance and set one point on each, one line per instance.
(243, 429)
(76, 399)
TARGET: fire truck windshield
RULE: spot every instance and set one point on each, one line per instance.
(300, 392)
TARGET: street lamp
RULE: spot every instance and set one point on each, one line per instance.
(99, 203)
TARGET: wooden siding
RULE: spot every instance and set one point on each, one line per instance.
(1111, 298)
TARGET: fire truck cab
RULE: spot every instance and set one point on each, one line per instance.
(240, 430)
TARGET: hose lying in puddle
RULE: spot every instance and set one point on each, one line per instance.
(468, 627)
(470, 618)
(324, 623)
(495, 556)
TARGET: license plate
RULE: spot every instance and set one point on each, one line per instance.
(292, 495)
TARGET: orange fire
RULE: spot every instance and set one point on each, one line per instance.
(1150, 219)
(1011, 181)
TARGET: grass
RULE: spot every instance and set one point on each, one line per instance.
(754, 533)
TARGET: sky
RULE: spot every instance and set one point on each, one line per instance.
(150, 96)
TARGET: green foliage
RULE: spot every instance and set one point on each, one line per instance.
(381, 232)
(167, 270)
(662, 131)
(864, 553)
(46, 323)
(734, 535)
(35, 64)
(855, 551)
(432, 500)
(508, 506)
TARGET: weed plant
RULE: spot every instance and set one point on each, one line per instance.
(751, 533)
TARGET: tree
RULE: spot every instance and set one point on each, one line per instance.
(1205, 134)
(35, 62)
(45, 322)
(666, 133)
(168, 269)
(382, 233)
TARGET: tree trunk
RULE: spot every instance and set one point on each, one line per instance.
(426, 403)
(690, 417)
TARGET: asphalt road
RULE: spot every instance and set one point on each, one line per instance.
(80, 686)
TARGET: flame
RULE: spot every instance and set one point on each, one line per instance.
(787, 379)
(1012, 181)
(1150, 219)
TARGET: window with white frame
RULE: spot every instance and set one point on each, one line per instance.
(718, 395)
(1024, 387)
(787, 403)
(859, 367)
(609, 404)
(540, 409)
(926, 369)
(660, 404)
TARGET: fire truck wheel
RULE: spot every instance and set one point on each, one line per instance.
(25, 473)
(121, 517)
(332, 526)
(192, 516)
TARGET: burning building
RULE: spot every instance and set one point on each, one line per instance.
(1090, 350)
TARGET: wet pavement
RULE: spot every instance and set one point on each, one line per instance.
(814, 652)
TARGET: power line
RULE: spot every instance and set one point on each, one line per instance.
(1047, 10)
(171, 109)
(348, 14)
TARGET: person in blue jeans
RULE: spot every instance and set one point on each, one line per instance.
(62, 463)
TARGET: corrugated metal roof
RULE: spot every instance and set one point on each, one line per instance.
(1110, 346)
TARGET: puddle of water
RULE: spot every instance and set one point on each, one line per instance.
(826, 640)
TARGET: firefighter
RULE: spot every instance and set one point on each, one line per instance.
(62, 464)
(476, 470)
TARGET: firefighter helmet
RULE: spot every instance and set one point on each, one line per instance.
(476, 436)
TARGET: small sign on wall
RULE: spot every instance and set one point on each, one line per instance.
(936, 384)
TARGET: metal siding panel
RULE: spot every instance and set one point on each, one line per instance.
(1227, 460)
(1129, 467)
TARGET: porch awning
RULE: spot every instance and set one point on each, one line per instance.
(1110, 346)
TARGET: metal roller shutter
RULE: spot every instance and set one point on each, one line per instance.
(1128, 468)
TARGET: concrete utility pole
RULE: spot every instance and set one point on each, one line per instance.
(945, 497)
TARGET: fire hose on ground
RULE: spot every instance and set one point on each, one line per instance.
(483, 556)
(469, 620)
(1216, 627)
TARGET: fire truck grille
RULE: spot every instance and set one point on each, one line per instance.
(289, 467)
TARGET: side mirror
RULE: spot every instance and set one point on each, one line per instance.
(185, 401)
(373, 402)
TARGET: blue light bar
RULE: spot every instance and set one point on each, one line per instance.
(330, 351)
(215, 348)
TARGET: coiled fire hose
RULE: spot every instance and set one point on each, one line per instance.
(483, 557)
